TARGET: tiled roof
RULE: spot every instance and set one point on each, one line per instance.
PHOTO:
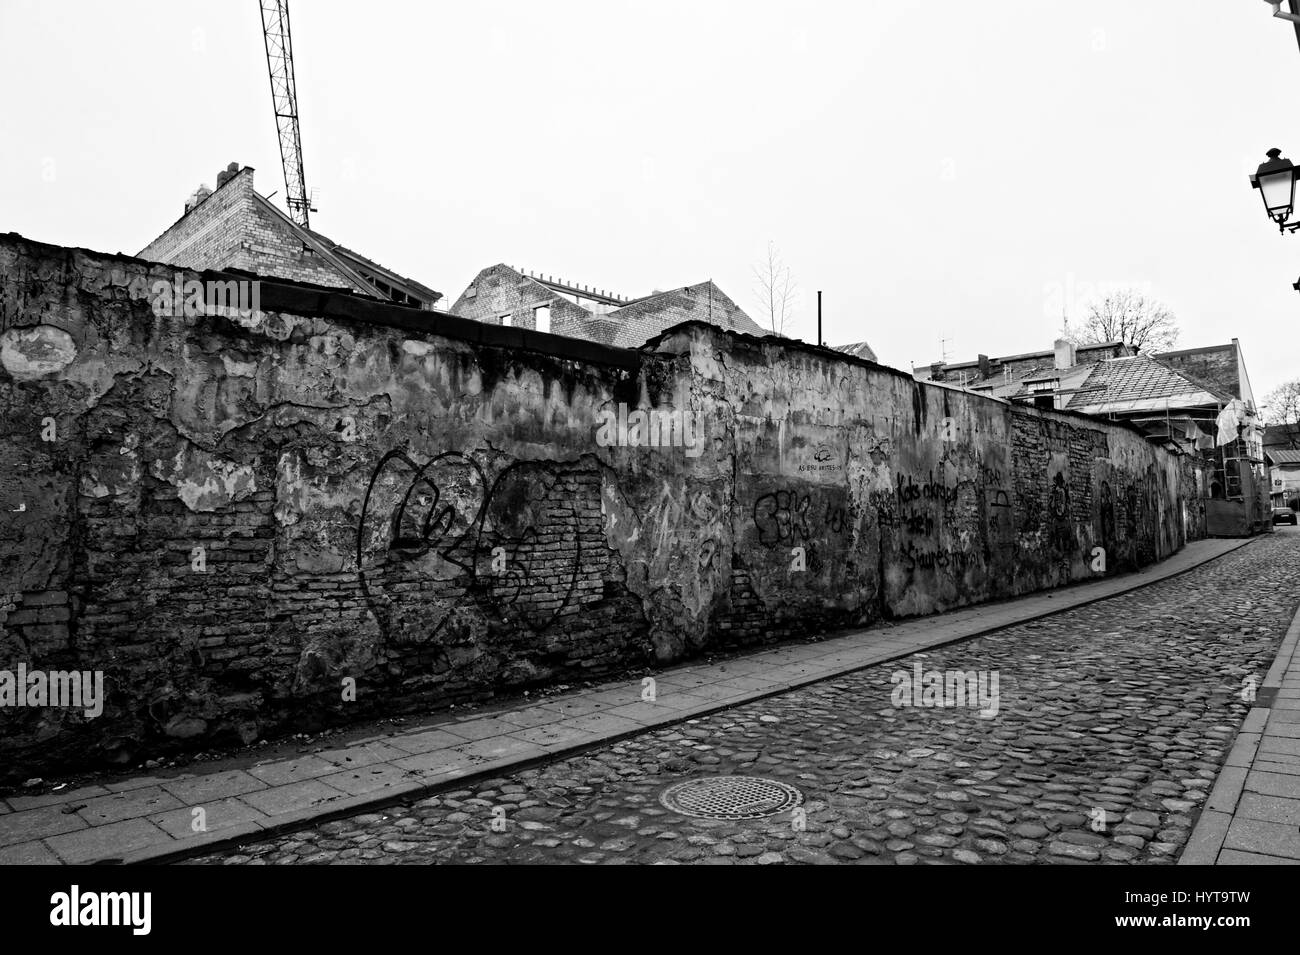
(1283, 456)
(858, 350)
(1131, 381)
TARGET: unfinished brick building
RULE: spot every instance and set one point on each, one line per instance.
(234, 227)
(504, 295)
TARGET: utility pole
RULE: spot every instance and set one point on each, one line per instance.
(819, 319)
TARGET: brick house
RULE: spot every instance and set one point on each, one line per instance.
(233, 227)
(504, 295)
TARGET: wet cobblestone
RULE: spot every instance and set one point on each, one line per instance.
(1112, 724)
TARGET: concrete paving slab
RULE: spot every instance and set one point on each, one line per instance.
(32, 824)
(426, 742)
(28, 853)
(103, 810)
(80, 794)
(110, 841)
(1270, 809)
(280, 772)
(555, 735)
(1266, 838)
(479, 729)
(214, 786)
(292, 797)
(221, 815)
(501, 747)
(1237, 857)
(366, 754)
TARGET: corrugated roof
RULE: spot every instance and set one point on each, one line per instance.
(1283, 456)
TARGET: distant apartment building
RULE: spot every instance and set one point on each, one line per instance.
(234, 227)
(505, 295)
(1198, 400)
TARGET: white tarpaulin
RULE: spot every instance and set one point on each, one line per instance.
(1230, 419)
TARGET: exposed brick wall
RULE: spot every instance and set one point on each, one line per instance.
(236, 515)
(640, 321)
(499, 290)
(232, 229)
(1215, 367)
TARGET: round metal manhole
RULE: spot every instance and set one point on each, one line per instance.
(730, 797)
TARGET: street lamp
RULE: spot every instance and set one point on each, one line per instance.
(1275, 180)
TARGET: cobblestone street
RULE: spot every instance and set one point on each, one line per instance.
(1112, 723)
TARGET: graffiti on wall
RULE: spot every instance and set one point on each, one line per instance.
(435, 537)
(788, 517)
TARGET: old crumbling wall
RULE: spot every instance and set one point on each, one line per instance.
(232, 515)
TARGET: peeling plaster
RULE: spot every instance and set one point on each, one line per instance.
(205, 482)
(34, 352)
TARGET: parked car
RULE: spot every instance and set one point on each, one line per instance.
(1284, 515)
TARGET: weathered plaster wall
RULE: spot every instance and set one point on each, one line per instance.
(424, 507)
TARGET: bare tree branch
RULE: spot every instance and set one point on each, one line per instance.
(1126, 315)
(775, 289)
(1282, 406)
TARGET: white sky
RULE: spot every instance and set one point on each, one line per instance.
(958, 170)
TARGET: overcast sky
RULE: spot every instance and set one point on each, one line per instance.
(959, 171)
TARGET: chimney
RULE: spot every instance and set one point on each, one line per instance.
(1064, 354)
(936, 371)
(986, 367)
(197, 196)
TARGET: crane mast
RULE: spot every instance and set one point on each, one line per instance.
(284, 97)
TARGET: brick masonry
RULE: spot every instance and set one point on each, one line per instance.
(231, 229)
(235, 515)
(500, 291)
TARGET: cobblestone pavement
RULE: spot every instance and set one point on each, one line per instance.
(1113, 720)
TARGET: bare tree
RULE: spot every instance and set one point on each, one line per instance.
(1127, 315)
(1283, 408)
(775, 289)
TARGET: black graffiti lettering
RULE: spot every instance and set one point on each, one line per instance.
(431, 535)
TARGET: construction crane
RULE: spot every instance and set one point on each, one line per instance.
(284, 97)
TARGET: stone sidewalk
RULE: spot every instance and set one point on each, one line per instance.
(1253, 814)
(153, 818)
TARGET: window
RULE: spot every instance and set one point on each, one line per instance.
(542, 318)
(505, 320)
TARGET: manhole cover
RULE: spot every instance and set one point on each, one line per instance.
(730, 797)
